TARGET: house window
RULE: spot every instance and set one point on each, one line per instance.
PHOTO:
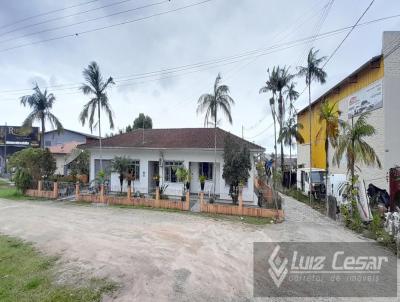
(47, 143)
(134, 168)
(106, 167)
(206, 169)
(169, 170)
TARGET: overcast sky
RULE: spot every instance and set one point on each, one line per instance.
(213, 30)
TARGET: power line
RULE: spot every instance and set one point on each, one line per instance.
(46, 13)
(84, 21)
(229, 59)
(62, 17)
(108, 26)
(348, 34)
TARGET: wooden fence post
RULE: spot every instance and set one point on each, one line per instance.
(129, 193)
(240, 201)
(102, 193)
(187, 205)
(40, 185)
(157, 202)
(201, 201)
(55, 190)
(77, 191)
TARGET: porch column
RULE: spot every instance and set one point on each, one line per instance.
(201, 201)
(40, 185)
(157, 201)
(129, 192)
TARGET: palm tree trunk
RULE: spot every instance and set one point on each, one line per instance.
(43, 131)
(310, 122)
(280, 128)
(327, 171)
(290, 166)
(215, 152)
(101, 150)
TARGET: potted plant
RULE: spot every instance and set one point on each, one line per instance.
(188, 179)
(202, 179)
(156, 178)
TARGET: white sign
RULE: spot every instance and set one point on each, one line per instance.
(366, 99)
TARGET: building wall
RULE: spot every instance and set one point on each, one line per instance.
(65, 137)
(60, 162)
(186, 156)
(364, 78)
(391, 90)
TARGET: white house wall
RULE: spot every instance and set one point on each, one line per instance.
(187, 156)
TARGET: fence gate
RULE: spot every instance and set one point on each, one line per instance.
(66, 190)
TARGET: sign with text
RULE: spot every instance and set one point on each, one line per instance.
(15, 135)
(321, 269)
(366, 99)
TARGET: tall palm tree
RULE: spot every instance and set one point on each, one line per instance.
(279, 81)
(291, 95)
(312, 72)
(329, 117)
(211, 103)
(351, 143)
(96, 87)
(289, 134)
(41, 104)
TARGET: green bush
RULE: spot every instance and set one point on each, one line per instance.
(22, 180)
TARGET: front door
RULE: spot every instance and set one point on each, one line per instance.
(153, 171)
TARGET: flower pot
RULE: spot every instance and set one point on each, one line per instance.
(202, 186)
(187, 185)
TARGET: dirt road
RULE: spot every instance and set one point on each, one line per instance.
(160, 256)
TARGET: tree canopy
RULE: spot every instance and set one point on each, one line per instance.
(142, 121)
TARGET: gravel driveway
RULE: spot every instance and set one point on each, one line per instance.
(161, 256)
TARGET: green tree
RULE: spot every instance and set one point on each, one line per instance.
(329, 117)
(41, 104)
(351, 144)
(32, 164)
(142, 122)
(312, 72)
(96, 87)
(211, 103)
(81, 164)
(290, 134)
(279, 83)
(237, 166)
(120, 165)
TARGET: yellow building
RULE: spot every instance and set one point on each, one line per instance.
(374, 88)
(367, 74)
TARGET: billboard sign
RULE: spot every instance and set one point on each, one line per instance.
(16, 135)
(366, 99)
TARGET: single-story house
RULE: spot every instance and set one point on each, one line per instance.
(160, 151)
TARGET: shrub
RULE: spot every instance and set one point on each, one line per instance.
(22, 180)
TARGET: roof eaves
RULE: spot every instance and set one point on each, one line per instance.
(358, 70)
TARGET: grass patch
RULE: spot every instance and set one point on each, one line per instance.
(27, 275)
(8, 191)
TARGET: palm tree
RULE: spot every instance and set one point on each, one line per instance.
(120, 165)
(41, 104)
(279, 80)
(329, 117)
(291, 95)
(289, 133)
(97, 88)
(210, 103)
(351, 143)
(312, 72)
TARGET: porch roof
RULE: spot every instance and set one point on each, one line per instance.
(178, 138)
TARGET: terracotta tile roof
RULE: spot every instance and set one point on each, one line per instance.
(64, 148)
(179, 138)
